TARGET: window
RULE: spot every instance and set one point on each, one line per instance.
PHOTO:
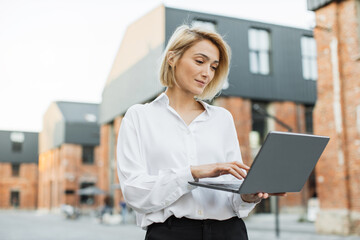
(89, 117)
(259, 122)
(15, 198)
(309, 119)
(87, 199)
(308, 52)
(204, 24)
(17, 139)
(69, 192)
(88, 154)
(259, 47)
(15, 169)
(16, 147)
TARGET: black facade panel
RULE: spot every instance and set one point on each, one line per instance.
(78, 126)
(28, 149)
(82, 134)
(285, 81)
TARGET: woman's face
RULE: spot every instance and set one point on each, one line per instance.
(197, 66)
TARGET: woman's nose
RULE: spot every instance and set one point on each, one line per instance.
(206, 72)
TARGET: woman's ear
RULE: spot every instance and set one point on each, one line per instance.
(170, 58)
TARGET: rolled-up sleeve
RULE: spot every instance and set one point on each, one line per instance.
(143, 192)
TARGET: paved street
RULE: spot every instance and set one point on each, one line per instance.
(262, 227)
(35, 226)
(32, 225)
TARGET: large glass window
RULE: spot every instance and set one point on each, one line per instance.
(308, 52)
(259, 47)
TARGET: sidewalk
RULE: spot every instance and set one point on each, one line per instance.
(262, 226)
(33, 225)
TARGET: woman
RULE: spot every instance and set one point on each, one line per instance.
(179, 138)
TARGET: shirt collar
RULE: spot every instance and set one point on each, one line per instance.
(163, 98)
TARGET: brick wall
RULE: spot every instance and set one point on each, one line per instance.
(117, 191)
(62, 169)
(336, 115)
(103, 182)
(241, 112)
(288, 112)
(25, 183)
(108, 144)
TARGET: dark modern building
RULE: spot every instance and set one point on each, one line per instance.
(269, 62)
(18, 169)
(273, 73)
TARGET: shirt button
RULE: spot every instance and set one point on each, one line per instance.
(200, 212)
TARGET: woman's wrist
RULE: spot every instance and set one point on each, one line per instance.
(194, 173)
(253, 200)
(244, 199)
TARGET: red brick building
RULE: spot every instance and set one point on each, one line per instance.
(69, 156)
(18, 169)
(283, 85)
(337, 114)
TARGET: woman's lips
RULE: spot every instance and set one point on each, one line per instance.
(200, 82)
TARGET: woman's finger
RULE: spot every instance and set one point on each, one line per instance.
(242, 165)
(228, 169)
(235, 173)
(239, 170)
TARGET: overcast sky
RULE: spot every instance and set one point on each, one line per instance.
(53, 50)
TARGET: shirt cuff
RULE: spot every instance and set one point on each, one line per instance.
(184, 176)
(242, 208)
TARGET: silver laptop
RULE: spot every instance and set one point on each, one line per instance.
(283, 164)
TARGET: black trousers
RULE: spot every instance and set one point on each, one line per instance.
(188, 229)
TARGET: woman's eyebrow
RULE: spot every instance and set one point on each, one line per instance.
(206, 57)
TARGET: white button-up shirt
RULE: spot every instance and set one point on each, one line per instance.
(155, 150)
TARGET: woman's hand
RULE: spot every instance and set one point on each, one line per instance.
(217, 169)
(257, 197)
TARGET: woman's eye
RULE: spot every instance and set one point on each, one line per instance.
(214, 68)
(199, 61)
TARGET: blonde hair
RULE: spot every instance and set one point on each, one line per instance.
(184, 38)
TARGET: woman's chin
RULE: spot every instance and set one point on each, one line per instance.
(198, 91)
